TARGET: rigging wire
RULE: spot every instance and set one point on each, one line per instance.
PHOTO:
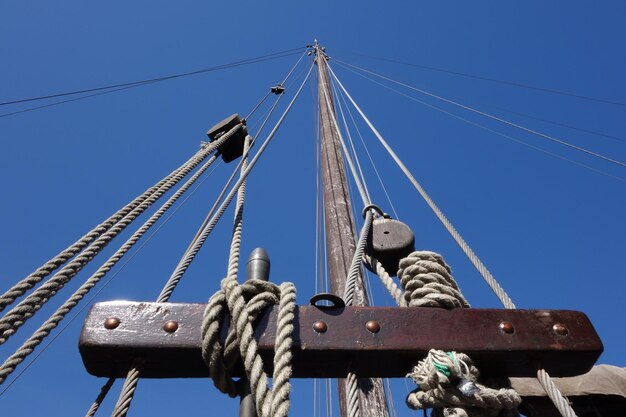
(175, 277)
(439, 109)
(351, 142)
(496, 80)
(126, 86)
(380, 180)
(482, 269)
(565, 125)
(128, 390)
(542, 376)
(355, 176)
(490, 116)
(247, 61)
(134, 254)
(212, 210)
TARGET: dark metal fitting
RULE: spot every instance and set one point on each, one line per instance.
(372, 207)
(111, 323)
(170, 326)
(278, 89)
(560, 329)
(507, 327)
(320, 327)
(372, 326)
(334, 300)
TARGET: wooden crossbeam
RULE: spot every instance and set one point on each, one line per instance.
(501, 342)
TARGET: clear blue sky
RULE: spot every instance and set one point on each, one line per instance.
(551, 231)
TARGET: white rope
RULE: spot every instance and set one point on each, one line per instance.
(448, 381)
(27, 308)
(244, 303)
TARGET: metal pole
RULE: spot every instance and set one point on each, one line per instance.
(340, 231)
(258, 267)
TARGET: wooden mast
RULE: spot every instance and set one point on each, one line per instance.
(340, 231)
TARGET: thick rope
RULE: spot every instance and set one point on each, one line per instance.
(427, 282)
(101, 396)
(129, 387)
(352, 399)
(240, 341)
(245, 302)
(132, 377)
(43, 271)
(449, 380)
(44, 330)
(29, 306)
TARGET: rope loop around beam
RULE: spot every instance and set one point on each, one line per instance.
(245, 303)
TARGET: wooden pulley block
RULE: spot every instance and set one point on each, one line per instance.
(233, 147)
(389, 242)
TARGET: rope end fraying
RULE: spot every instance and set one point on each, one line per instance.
(447, 382)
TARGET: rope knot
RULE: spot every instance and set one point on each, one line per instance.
(245, 303)
(447, 381)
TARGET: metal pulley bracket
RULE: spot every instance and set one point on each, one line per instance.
(233, 147)
(278, 89)
(390, 241)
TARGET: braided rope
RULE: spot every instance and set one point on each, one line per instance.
(128, 390)
(236, 299)
(101, 396)
(246, 302)
(132, 377)
(352, 396)
(559, 401)
(355, 265)
(43, 271)
(44, 330)
(29, 306)
(396, 293)
(206, 230)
